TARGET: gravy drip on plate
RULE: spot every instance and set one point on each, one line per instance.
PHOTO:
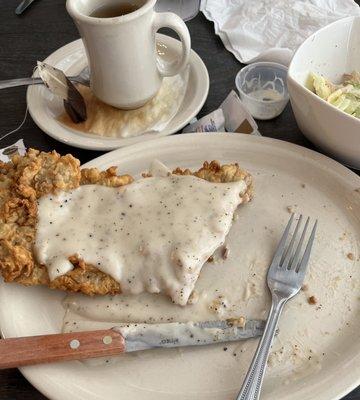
(153, 235)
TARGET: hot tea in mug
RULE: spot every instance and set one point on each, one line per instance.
(119, 39)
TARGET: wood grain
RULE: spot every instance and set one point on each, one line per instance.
(22, 351)
(43, 28)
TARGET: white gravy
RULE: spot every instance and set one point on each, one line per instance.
(151, 236)
(313, 339)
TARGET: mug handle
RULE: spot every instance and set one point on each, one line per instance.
(172, 21)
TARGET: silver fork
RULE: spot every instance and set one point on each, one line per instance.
(83, 77)
(284, 278)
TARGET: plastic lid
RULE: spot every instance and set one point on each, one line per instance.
(186, 9)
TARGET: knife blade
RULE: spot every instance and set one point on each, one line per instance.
(23, 6)
(149, 336)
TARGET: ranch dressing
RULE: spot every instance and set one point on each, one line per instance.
(266, 95)
(153, 235)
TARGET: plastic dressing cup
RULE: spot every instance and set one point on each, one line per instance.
(263, 89)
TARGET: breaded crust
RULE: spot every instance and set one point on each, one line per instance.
(26, 178)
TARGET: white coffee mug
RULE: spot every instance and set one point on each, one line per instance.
(126, 71)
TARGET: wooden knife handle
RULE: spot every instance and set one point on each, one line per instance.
(18, 352)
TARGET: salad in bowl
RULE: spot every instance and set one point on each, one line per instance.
(344, 96)
(324, 100)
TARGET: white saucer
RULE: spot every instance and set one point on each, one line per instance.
(44, 107)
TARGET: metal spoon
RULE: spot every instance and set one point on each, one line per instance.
(83, 78)
(23, 6)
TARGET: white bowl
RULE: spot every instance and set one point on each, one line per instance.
(331, 51)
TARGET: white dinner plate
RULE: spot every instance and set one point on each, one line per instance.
(44, 107)
(324, 362)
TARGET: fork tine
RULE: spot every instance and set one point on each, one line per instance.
(288, 254)
(305, 260)
(295, 261)
(281, 246)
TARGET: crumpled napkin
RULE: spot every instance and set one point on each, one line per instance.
(268, 30)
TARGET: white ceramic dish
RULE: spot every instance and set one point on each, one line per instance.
(285, 174)
(125, 69)
(44, 107)
(331, 51)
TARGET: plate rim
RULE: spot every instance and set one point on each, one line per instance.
(331, 166)
(313, 154)
(44, 122)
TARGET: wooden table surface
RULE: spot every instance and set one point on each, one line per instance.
(44, 28)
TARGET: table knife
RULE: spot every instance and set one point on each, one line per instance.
(22, 351)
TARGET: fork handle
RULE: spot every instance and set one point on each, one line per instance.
(251, 387)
